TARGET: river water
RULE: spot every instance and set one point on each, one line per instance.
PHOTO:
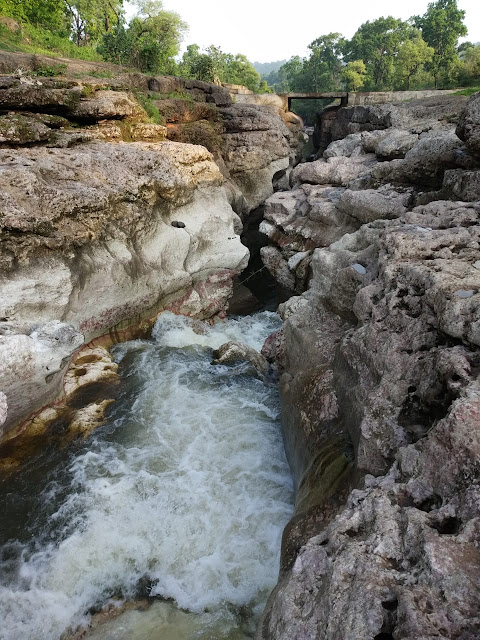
(181, 496)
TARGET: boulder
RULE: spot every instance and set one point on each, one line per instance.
(68, 98)
(233, 352)
(426, 162)
(396, 144)
(461, 185)
(273, 259)
(102, 105)
(374, 204)
(349, 146)
(337, 170)
(17, 129)
(255, 149)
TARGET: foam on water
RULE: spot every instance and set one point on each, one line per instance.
(186, 490)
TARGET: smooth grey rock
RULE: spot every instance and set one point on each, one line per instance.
(32, 367)
(278, 267)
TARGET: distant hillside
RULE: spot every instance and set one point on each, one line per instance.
(264, 68)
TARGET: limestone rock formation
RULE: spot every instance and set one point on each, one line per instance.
(88, 229)
(32, 366)
(256, 148)
(381, 396)
(112, 234)
(336, 170)
(468, 128)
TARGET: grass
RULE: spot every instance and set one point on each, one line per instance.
(467, 92)
(29, 39)
(51, 70)
(153, 113)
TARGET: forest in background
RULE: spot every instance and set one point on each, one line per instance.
(383, 54)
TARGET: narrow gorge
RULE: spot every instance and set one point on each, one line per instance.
(176, 459)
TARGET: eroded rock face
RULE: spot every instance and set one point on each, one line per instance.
(382, 173)
(256, 148)
(89, 230)
(381, 397)
(32, 367)
(468, 128)
(67, 98)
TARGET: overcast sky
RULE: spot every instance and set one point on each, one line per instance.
(264, 31)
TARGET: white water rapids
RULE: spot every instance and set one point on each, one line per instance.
(186, 490)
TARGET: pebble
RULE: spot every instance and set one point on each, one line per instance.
(359, 268)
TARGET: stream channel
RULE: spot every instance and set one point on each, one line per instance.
(180, 499)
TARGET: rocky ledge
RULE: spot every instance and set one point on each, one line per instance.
(381, 381)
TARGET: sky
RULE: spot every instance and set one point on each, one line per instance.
(264, 31)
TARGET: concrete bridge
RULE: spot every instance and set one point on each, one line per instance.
(347, 98)
(329, 95)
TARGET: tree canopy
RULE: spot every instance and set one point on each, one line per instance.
(442, 25)
(149, 42)
(213, 65)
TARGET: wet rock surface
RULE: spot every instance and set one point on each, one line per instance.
(380, 390)
(236, 352)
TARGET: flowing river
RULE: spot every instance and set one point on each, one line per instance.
(181, 496)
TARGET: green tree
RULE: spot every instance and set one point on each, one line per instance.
(197, 65)
(469, 72)
(412, 56)
(442, 25)
(238, 70)
(353, 74)
(90, 19)
(149, 43)
(214, 65)
(48, 14)
(377, 43)
(325, 62)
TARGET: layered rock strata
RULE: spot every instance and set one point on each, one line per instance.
(381, 394)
